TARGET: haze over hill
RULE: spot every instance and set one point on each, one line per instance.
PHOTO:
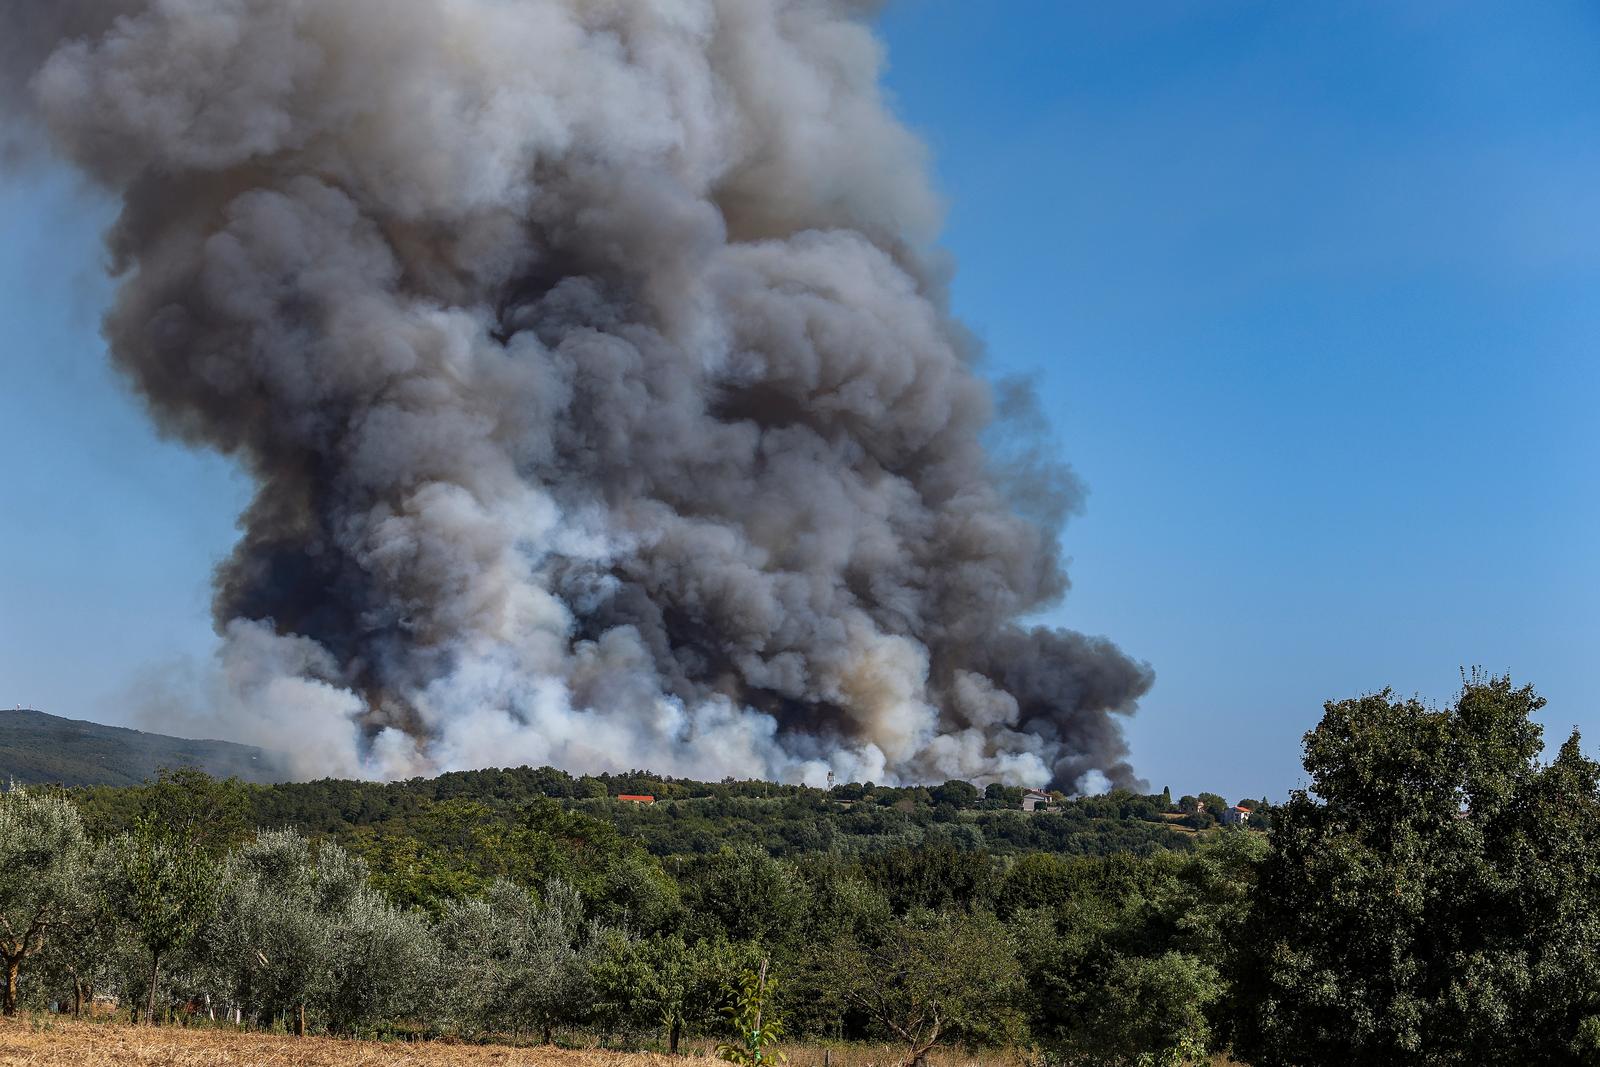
(38, 748)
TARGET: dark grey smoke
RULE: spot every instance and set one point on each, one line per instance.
(597, 379)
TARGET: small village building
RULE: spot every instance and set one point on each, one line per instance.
(1236, 816)
(634, 798)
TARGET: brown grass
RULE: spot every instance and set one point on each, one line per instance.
(52, 1042)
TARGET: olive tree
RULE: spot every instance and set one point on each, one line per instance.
(272, 933)
(44, 858)
(385, 963)
(301, 928)
(516, 962)
(553, 974)
(81, 957)
(480, 939)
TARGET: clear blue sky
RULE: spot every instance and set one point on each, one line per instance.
(1311, 293)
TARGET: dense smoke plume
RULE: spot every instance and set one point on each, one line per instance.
(597, 380)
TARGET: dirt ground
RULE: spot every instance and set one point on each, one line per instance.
(53, 1042)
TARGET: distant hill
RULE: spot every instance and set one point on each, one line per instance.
(37, 749)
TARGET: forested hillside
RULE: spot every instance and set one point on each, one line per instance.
(36, 748)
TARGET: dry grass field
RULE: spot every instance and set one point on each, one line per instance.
(51, 1042)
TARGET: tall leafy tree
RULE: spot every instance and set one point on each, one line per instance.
(163, 890)
(841, 908)
(935, 977)
(1123, 963)
(748, 896)
(204, 812)
(1434, 898)
(666, 982)
(956, 793)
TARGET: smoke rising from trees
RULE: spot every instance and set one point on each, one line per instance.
(595, 371)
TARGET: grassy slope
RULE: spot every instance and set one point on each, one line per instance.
(36, 748)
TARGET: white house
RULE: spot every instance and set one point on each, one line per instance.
(1035, 798)
(1236, 816)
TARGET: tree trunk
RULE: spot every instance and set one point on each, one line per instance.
(150, 1001)
(547, 1033)
(77, 999)
(673, 1034)
(300, 1020)
(9, 1004)
(919, 1055)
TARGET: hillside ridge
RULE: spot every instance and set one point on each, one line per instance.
(38, 748)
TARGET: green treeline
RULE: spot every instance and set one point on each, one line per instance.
(692, 818)
(1431, 899)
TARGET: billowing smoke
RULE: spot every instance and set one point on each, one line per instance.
(597, 378)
